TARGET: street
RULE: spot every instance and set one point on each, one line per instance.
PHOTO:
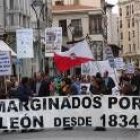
(76, 134)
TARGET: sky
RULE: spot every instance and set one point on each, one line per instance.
(115, 9)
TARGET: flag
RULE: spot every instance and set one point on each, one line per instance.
(78, 54)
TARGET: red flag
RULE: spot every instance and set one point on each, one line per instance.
(78, 54)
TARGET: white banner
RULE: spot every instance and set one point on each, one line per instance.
(91, 68)
(53, 40)
(5, 63)
(73, 111)
(24, 43)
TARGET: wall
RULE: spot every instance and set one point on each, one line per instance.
(1, 13)
(112, 27)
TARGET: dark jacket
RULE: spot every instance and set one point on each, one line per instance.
(44, 90)
(109, 85)
(24, 92)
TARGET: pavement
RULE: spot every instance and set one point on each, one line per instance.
(76, 134)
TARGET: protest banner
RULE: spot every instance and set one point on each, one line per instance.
(74, 111)
(53, 40)
(5, 63)
(24, 43)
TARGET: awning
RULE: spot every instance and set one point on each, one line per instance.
(5, 47)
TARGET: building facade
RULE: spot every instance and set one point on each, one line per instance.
(84, 19)
(129, 22)
(2, 18)
(17, 16)
(94, 3)
(81, 19)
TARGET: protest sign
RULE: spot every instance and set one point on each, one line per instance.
(119, 64)
(129, 68)
(24, 43)
(74, 111)
(89, 68)
(84, 88)
(5, 63)
(53, 40)
(109, 56)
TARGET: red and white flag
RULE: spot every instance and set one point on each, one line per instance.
(78, 54)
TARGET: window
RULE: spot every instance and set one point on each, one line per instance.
(129, 48)
(11, 4)
(77, 31)
(128, 23)
(95, 24)
(120, 10)
(134, 47)
(122, 47)
(20, 20)
(58, 2)
(133, 22)
(129, 36)
(120, 23)
(76, 2)
(24, 21)
(63, 24)
(11, 19)
(133, 33)
(121, 36)
(127, 11)
(132, 9)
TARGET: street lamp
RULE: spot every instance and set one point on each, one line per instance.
(38, 7)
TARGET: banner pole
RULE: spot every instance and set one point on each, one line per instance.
(115, 75)
(5, 84)
(18, 72)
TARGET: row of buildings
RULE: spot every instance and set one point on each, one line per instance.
(92, 19)
(19, 14)
(129, 29)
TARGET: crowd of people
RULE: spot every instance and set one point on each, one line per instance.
(41, 85)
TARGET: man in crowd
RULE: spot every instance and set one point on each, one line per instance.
(40, 85)
(109, 83)
(24, 92)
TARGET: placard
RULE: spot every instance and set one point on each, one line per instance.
(129, 68)
(74, 111)
(109, 56)
(53, 40)
(5, 63)
(25, 43)
(89, 68)
(119, 64)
